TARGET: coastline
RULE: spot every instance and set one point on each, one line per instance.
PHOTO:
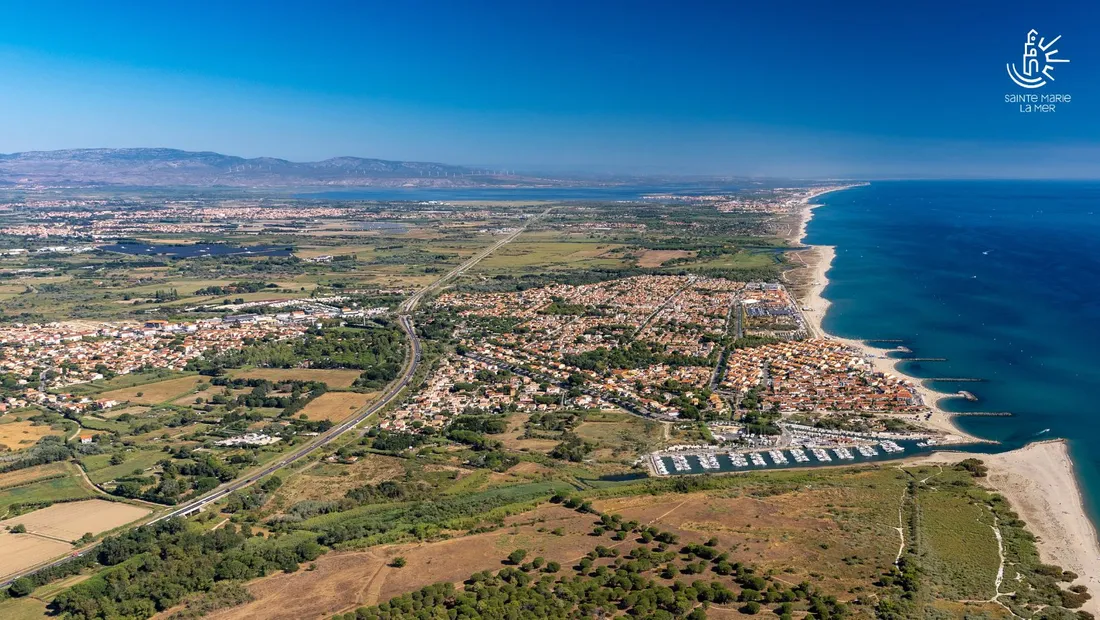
(1040, 484)
(819, 259)
(1038, 480)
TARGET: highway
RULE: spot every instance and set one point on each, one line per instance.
(388, 395)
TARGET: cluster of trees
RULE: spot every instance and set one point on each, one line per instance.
(975, 466)
(426, 518)
(154, 567)
(49, 449)
(388, 441)
(252, 497)
(572, 448)
(379, 352)
(485, 424)
(477, 441)
(561, 307)
(191, 477)
(496, 460)
(292, 396)
(236, 287)
(636, 355)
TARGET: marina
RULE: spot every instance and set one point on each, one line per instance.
(700, 460)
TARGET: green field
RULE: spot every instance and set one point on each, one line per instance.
(23, 609)
(55, 490)
(955, 538)
(100, 470)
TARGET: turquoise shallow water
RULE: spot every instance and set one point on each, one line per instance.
(1000, 278)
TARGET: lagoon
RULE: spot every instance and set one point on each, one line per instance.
(197, 250)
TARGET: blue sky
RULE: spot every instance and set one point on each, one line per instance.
(733, 87)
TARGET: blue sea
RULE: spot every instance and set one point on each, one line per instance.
(1000, 278)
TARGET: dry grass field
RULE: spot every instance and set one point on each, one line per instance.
(71, 520)
(114, 412)
(835, 531)
(32, 474)
(839, 536)
(656, 258)
(511, 438)
(335, 379)
(17, 435)
(619, 437)
(22, 551)
(344, 581)
(154, 393)
(326, 481)
(336, 406)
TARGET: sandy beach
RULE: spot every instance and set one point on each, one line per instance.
(1039, 482)
(818, 259)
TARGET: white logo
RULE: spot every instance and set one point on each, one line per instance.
(1036, 72)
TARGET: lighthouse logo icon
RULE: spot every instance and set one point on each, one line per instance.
(1036, 71)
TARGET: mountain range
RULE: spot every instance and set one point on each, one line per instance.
(161, 167)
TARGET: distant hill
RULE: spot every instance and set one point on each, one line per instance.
(172, 167)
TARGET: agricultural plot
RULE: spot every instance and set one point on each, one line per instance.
(16, 435)
(53, 490)
(23, 551)
(336, 406)
(154, 393)
(335, 379)
(71, 520)
(33, 474)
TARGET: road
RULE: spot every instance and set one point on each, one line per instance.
(412, 302)
(388, 395)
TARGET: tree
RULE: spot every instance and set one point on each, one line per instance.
(517, 556)
(398, 562)
(18, 528)
(21, 587)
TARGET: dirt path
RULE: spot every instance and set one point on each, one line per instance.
(370, 592)
(901, 525)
